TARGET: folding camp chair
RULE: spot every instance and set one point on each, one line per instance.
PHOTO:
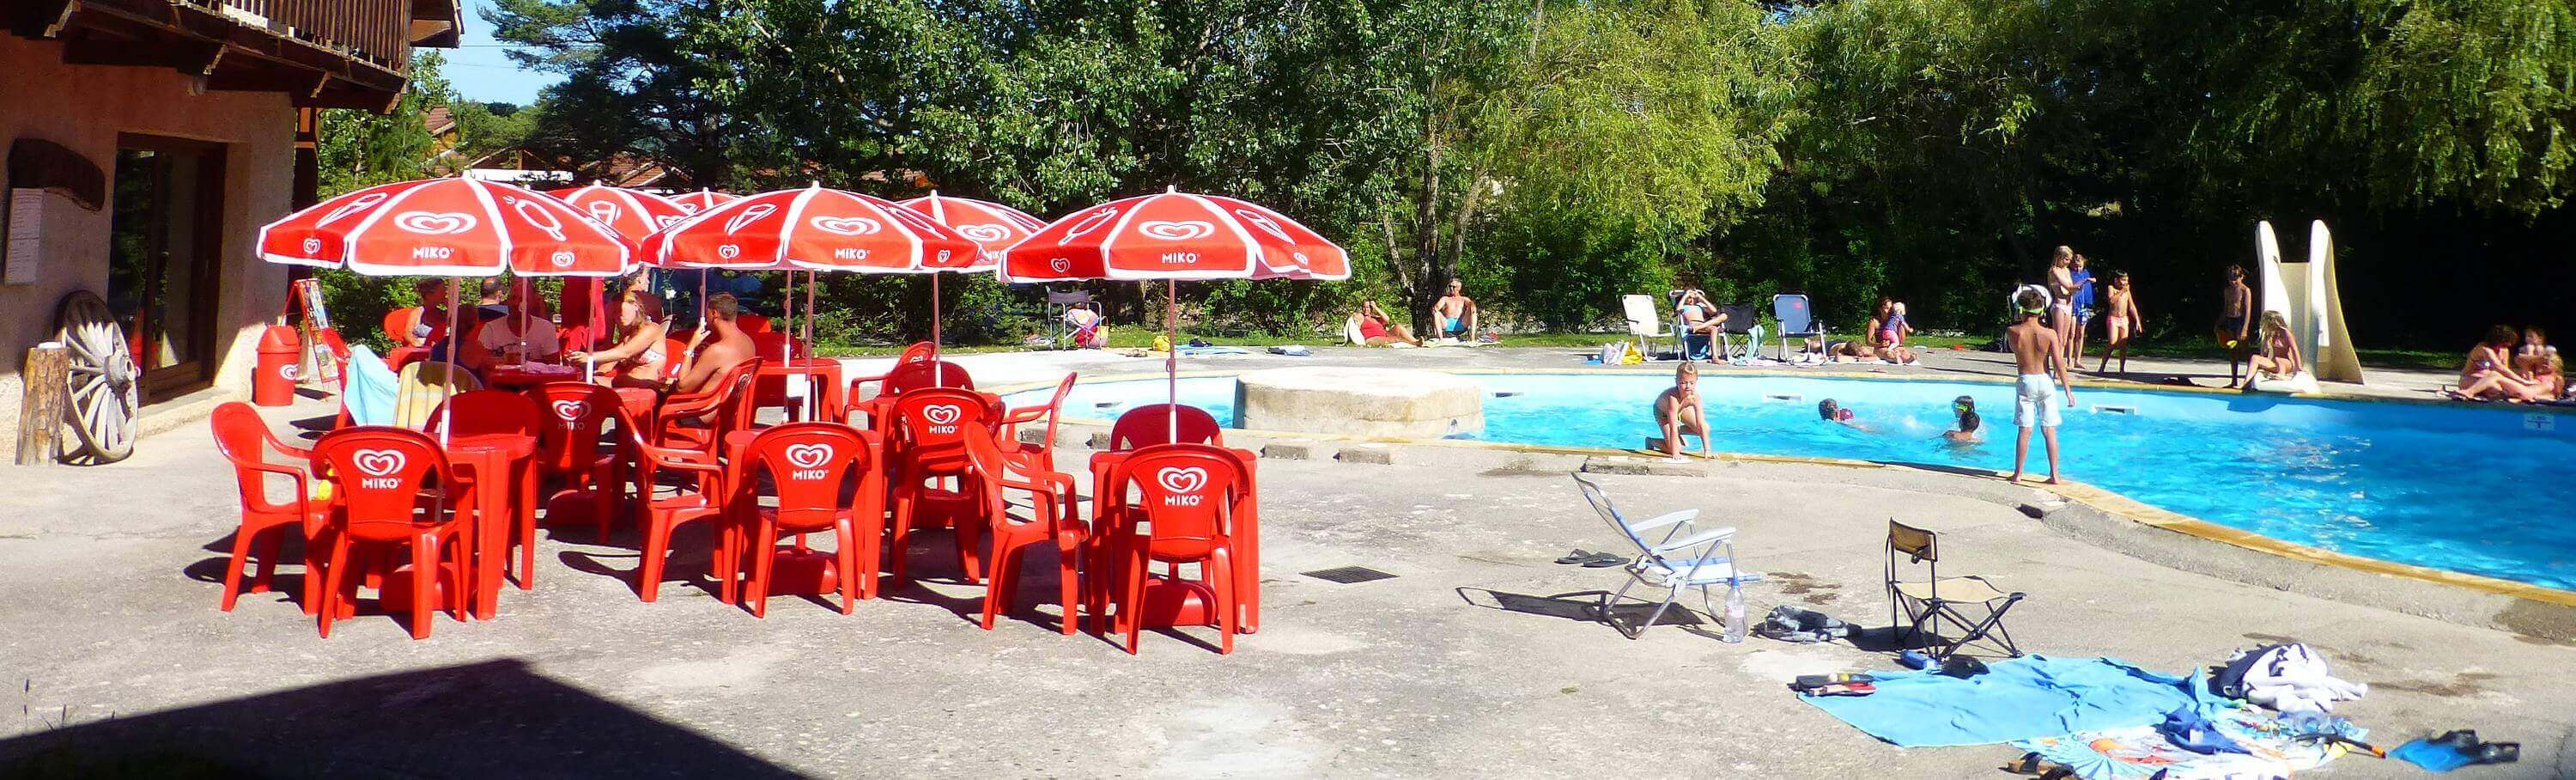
(1740, 321)
(1062, 334)
(1643, 322)
(1797, 320)
(423, 386)
(1678, 557)
(1931, 602)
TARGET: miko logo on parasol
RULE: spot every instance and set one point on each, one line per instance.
(847, 226)
(986, 233)
(1175, 230)
(379, 468)
(435, 223)
(562, 258)
(1184, 484)
(808, 460)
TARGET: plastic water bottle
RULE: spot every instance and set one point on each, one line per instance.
(1734, 613)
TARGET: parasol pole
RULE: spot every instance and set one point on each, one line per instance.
(813, 400)
(936, 371)
(447, 376)
(1172, 358)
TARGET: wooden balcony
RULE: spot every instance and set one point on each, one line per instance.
(325, 53)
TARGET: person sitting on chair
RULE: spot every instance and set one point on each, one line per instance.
(522, 331)
(1701, 320)
(730, 347)
(1456, 312)
(637, 359)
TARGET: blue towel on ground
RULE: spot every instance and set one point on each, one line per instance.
(2023, 698)
(372, 388)
(2433, 757)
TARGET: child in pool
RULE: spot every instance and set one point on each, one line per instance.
(1680, 411)
(1970, 425)
(1833, 412)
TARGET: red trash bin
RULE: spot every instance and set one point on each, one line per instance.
(280, 355)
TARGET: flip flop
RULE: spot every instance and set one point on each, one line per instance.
(1578, 556)
(1603, 561)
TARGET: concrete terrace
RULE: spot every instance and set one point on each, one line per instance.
(1474, 661)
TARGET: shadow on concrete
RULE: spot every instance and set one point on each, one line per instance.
(1585, 606)
(490, 719)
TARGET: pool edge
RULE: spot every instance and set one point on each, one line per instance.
(2108, 502)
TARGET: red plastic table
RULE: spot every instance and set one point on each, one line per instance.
(822, 384)
(1246, 532)
(531, 375)
(494, 518)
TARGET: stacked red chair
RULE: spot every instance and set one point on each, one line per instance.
(828, 478)
(1188, 500)
(389, 496)
(577, 413)
(245, 439)
(928, 466)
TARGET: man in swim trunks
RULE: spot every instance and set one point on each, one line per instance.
(2235, 321)
(1456, 312)
(1680, 411)
(2037, 353)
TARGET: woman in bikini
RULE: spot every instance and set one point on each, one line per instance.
(2124, 322)
(2488, 375)
(637, 360)
(2061, 296)
(1679, 410)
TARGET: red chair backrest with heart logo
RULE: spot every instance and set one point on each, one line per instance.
(811, 465)
(931, 423)
(1186, 494)
(1149, 425)
(377, 473)
(575, 413)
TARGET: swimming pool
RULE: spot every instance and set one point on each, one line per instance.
(2457, 488)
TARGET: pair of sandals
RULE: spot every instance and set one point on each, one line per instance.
(1592, 560)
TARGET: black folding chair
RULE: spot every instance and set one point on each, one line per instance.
(1930, 603)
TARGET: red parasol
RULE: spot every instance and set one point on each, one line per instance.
(993, 226)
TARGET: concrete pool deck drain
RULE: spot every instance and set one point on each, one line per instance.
(2099, 517)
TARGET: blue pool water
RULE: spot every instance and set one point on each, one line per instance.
(2464, 489)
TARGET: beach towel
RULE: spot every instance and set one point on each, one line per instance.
(371, 389)
(2022, 698)
(2271, 744)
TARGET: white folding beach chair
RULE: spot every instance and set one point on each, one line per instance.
(1671, 554)
(1643, 321)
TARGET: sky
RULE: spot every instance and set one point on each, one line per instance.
(482, 70)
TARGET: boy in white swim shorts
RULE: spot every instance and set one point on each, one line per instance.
(2036, 353)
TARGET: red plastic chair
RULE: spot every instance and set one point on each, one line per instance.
(658, 515)
(724, 406)
(1037, 454)
(389, 494)
(829, 477)
(909, 373)
(245, 439)
(1053, 517)
(1148, 425)
(929, 445)
(576, 414)
(1188, 498)
(398, 324)
(503, 413)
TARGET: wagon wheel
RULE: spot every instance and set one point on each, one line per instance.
(104, 398)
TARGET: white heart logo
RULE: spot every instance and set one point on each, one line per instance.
(604, 211)
(379, 463)
(748, 215)
(1088, 224)
(562, 258)
(729, 251)
(434, 223)
(288, 371)
(538, 217)
(985, 233)
(570, 411)
(1262, 221)
(847, 226)
(1182, 230)
(1060, 264)
(313, 246)
(363, 203)
(942, 414)
(1182, 480)
(807, 456)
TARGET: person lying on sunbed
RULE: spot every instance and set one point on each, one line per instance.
(1681, 411)
(2489, 376)
(1379, 330)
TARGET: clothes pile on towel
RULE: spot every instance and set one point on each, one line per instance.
(2286, 677)
(2022, 698)
(2260, 744)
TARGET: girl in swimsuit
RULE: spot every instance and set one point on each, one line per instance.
(2061, 294)
(2489, 374)
(638, 358)
(2280, 356)
(1680, 411)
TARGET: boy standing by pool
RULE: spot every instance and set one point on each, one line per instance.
(2037, 353)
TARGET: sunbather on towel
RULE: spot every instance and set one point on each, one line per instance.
(1455, 312)
(1681, 411)
(1379, 330)
(2489, 375)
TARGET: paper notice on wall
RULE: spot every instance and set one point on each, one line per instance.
(27, 209)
